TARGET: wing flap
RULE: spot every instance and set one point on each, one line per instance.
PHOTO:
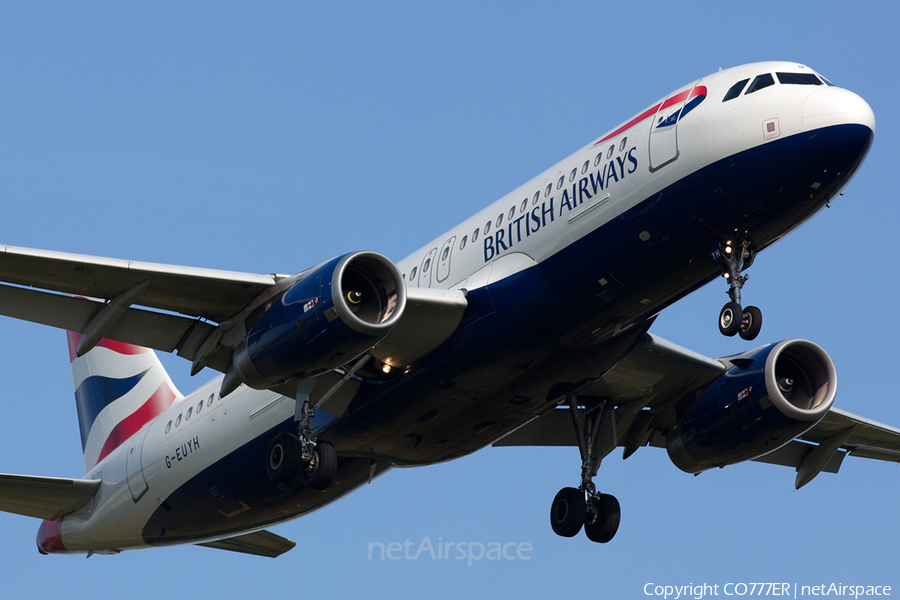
(45, 497)
(869, 439)
(259, 543)
(160, 331)
(793, 454)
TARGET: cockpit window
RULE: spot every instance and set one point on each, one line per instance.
(735, 90)
(761, 81)
(798, 79)
(827, 82)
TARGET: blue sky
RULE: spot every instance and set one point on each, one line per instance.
(267, 137)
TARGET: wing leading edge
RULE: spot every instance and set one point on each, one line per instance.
(206, 310)
(208, 293)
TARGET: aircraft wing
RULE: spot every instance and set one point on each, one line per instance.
(207, 293)
(45, 497)
(205, 296)
(205, 309)
(657, 373)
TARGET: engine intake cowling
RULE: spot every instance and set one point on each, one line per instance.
(335, 313)
(768, 398)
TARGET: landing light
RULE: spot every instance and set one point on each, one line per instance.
(386, 368)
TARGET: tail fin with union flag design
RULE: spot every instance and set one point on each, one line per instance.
(119, 388)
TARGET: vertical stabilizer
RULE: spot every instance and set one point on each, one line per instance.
(119, 388)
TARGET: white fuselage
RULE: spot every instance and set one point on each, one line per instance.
(606, 178)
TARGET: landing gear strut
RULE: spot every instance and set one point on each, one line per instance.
(291, 455)
(318, 459)
(574, 508)
(733, 319)
(315, 461)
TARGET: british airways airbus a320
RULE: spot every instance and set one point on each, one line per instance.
(527, 324)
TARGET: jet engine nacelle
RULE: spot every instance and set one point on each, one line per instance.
(768, 398)
(338, 311)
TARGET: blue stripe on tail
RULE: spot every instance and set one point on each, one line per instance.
(96, 393)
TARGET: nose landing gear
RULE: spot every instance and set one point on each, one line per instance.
(733, 319)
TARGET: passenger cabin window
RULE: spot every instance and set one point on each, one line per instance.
(499, 219)
(735, 90)
(487, 228)
(210, 401)
(562, 180)
(573, 174)
(462, 243)
(523, 206)
(426, 265)
(200, 407)
(177, 420)
(168, 426)
(798, 79)
(537, 195)
(475, 235)
(445, 253)
(189, 413)
(585, 166)
(610, 151)
(412, 274)
(597, 160)
(761, 81)
(547, 191)
(622, 145)
(512, 212)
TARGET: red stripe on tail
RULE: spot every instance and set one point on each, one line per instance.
(157, 404)
(74, 338)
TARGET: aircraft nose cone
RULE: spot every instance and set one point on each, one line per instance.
(836, 106)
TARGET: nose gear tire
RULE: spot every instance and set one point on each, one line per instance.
(751, 323)
(730, 319)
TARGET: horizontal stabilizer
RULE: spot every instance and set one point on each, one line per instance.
(44, 497)
(260, 543)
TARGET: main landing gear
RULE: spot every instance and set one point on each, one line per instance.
(291, 455)
(733, 319)
(574, 508)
